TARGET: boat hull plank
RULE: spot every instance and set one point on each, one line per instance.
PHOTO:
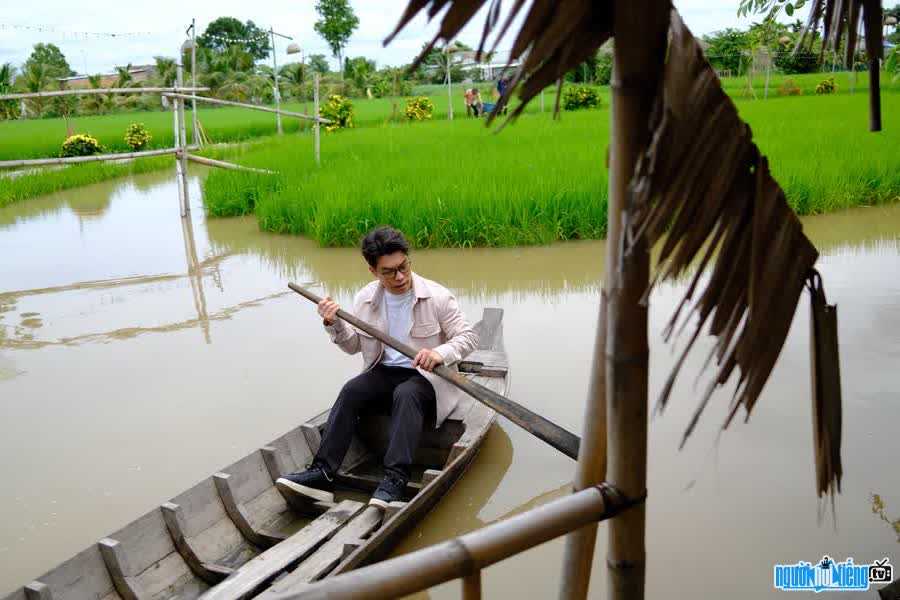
(254, 504)
(287, 454)
(145, 564)
(251, 576)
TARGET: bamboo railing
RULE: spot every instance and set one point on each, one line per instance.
(465, 557)
(93, 91)
(277, 111)
(36, 162)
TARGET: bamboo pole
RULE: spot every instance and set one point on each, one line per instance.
(449, 87)
(226, 165)
(578, 556)
(90, 92)
(471, 586)
(176, 150)
(36, 162)
(251, 106)
(194, 120)
(183, 141)
(465, 555)
(316, 108)
(639, 53)
(275, 73)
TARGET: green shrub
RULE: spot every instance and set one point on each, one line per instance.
(419, 108)
(826, 86)
(582, 96)
(789, 88)
(80, 145)
(137, 137)
(339, 111)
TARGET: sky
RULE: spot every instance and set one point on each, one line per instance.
(160, 28)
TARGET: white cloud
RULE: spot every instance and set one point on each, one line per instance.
(168, 19)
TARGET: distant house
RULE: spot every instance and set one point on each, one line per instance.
(139, 74)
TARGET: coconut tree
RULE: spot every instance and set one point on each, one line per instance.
(292, 76)
(8, 108)
(95, 102)
(123, 76)
(36, 78)
(165, 71)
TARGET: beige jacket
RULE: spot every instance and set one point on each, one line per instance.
(437, 324)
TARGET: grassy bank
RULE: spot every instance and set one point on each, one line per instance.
(457, 184)
(38, 183)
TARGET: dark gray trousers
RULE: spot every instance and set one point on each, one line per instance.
(402, 393)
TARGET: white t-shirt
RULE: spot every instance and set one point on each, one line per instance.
(398, 310)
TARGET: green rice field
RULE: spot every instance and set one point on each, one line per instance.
(458, 184)
(36, 138)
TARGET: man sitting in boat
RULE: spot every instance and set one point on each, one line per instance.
(417, 311)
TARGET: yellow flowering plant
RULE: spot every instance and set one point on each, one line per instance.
(137, 136)
(419, 108)
(581, 96)
(80, 145)
(338, 110)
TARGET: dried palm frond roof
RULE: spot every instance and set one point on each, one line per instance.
(703, 181)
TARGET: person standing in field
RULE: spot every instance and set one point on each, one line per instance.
(502, 85)
(473, 102)
(417, 311)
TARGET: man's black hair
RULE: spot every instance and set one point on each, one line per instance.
(382, 241)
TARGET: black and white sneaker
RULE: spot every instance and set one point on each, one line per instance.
(389, 490)
(315, 483)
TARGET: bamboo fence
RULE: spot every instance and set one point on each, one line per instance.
(35, 162)
(466, 556)
(92, 91)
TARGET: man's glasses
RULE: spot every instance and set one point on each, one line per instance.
(392, 273)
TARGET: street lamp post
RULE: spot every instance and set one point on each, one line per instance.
(295, 48)
(272, 34)
(449, 88)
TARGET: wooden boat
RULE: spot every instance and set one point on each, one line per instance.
(234, 535)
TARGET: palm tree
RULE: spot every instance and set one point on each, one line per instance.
(95, 102)
(124, 79)
(165, 71)
(35, 79)
(292, 76)
(8, 109)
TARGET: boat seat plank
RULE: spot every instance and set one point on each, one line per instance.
(205, 536)
(256, 573)
(489, 358)
(326, 557)
(82, 577)
(490, 329)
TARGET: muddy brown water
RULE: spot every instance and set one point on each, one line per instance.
(138, 356)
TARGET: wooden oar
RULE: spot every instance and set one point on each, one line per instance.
(551, 433)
